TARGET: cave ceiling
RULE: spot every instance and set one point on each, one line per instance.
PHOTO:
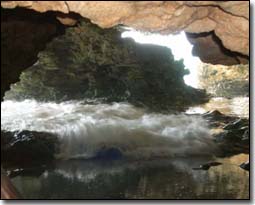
(219, 30)
(228, 20)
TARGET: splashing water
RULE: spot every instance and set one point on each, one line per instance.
(237, 106)
(83, 129)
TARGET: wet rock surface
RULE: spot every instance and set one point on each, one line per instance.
(216, 119)
(245, 166)
(207, 166)
(27, 148)
(234, 137)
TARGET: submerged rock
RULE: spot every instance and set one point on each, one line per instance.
(109, 153)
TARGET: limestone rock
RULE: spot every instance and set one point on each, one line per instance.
(225, 81)
(207, 46)
(228, 19)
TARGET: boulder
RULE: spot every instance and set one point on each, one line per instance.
(27, 148)
(235, 137)
(90, 62)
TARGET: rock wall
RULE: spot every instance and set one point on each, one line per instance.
(90, 62)
(208, 47)
(225, 81)
(23, 34)
(229, 20)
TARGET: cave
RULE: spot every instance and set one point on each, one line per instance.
(109, 100)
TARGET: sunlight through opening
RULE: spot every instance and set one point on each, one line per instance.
(180, 46)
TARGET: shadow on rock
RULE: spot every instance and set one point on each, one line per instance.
(23, 148)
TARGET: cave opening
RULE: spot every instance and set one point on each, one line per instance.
(227, 84)
(114, 112)
(178, 44)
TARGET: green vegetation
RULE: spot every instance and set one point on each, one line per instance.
(90, 62)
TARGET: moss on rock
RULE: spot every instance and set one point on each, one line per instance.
(90, 62)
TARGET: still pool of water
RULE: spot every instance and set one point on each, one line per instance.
(155, 179)
(160, 151)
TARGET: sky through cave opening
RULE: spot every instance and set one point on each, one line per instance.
(180, 46)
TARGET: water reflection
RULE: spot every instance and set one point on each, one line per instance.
(159, 179)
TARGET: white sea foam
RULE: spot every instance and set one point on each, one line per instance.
(84, 129)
